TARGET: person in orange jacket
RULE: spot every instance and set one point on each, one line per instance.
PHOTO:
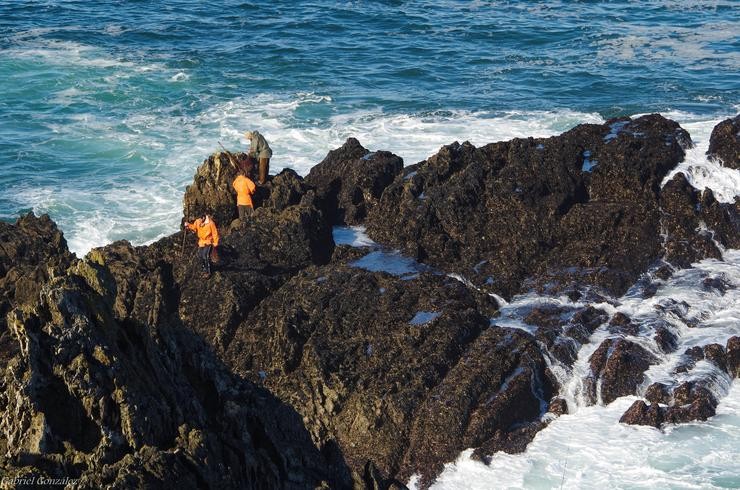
(244, 187)
(207, 233)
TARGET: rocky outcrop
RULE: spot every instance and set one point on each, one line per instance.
(351, 179)
(579, 208)
(692, 402)
(724, 143)
(294, 367)
(108, 387)
(404, 372)
(32, 251)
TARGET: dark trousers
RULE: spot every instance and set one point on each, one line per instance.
(264, 169)
(204, 254)
(244, 211)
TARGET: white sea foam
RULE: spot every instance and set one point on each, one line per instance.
(589, 448)
(592, 450)
(698, 169)
(54, 52)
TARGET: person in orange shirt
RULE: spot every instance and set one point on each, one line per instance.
(207, 233)
(244, 188)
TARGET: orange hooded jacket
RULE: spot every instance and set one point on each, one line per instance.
(206, 231)
(244, 189)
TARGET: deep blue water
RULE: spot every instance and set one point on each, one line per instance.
(107, 107)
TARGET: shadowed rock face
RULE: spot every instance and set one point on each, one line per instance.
(351, 179)
(108, 386)
(31, 251)
(581, 207)
(406, 373)
(724, 144)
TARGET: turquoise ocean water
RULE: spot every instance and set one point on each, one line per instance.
(107, 108)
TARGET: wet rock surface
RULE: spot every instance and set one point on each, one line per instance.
(564, 330)
(724, 143)
(695, 222)
(689, 400)
(619, 365)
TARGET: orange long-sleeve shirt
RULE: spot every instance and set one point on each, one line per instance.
(207, 232)
(244, 189)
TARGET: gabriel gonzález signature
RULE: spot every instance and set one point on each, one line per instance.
(12, 482)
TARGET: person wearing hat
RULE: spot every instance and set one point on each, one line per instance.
(207, 233)
(258, 148)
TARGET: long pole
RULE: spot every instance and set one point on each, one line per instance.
(228, 154)
(184, 230)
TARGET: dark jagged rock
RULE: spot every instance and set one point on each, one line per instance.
(733, 356)
(375, 480)
(620, 365)
(132, 405)
(32, 251)
(580, 208)
(665, 338)
(563, 330)
(156, 310)
(694, 221)
(287, 189)
(285, 234)
(211, 191)
(689, 359)
(658, 393)
(715, 353)
(558, 406)
(405, 373)
(622, 324)
(115, 376)
(724, 143)
(719, 284)
(664, 272)
(512, 442)
(351, 179)
(640, 413)
(691, 401)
